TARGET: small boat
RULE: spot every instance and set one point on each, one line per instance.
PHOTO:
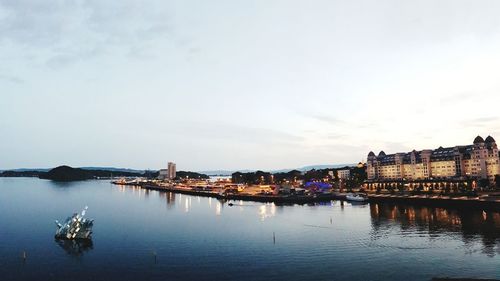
(75, 227)
(356, 197)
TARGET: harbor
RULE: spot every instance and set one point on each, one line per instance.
(156, 235)
(229, 191)
(489, 202)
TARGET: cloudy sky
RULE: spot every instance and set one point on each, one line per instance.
(242, 84)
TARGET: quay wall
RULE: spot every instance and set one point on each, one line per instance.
(435, 201)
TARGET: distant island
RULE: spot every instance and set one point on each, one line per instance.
(67, 173)
(17, 174)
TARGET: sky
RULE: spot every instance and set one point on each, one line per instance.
(235, 84)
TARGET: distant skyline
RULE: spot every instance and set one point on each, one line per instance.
(242, 84)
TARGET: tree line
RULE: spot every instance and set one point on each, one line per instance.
(356, 178)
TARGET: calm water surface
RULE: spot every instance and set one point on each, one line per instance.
(150, 235)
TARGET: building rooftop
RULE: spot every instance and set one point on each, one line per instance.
(478, 139)
(439, 154)
(489, 139)
(443, 154)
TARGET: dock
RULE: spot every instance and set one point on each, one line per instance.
(281, 199)
(490, 203)
(480, 202)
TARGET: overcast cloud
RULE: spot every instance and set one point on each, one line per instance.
(242, 84)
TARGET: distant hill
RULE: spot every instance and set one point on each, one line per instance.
(27, 170)
(15, 174)
(319, 167)
(84, 168)
(96, 171)
(303, 169)
(191, 175)
(113, 169)
(66, 173)
(223, 172)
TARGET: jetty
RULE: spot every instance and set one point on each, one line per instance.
(485, 201)
(283, 199)
(279, 198)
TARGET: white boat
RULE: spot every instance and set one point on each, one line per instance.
(356, 197)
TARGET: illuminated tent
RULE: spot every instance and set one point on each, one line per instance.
(317, 185)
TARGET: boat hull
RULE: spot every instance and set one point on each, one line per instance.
(356, 198)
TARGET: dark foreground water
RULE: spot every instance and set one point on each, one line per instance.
(149, 235)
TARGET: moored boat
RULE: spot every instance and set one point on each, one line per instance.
(356, 197)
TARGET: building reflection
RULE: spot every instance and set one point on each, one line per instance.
(472, 225)
(267, 210)
(218, 208)
(75, 247)
(169, 197)
(187, 203)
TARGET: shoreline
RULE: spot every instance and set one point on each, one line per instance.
(291, 199)
(426, 200)
(439, 201)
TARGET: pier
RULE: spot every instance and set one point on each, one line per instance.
(283, 199)
(485, 202)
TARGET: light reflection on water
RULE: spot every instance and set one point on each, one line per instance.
(211, 240)
(470, 225)
(266, 210)
(75, 248)
(218, 208)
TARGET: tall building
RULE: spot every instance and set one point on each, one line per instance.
(171, 170)
(163, 174)
(344, 174)
(477, 161)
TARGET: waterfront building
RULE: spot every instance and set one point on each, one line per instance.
(169, 173)
(344, 174)
(479, 161)
(163, 174)
(172, 170)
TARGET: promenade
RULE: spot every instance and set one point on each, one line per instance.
(484, 202)
(283, 199)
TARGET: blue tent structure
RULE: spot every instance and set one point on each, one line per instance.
(317, 185)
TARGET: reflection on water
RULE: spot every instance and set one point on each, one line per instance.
(187, 204)
(360, 204)
(236, 240)
(75, 248)
(169, 198)
(267, 211)
(472, 225)
(218, 208)
(469, 224)
(64, 184)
